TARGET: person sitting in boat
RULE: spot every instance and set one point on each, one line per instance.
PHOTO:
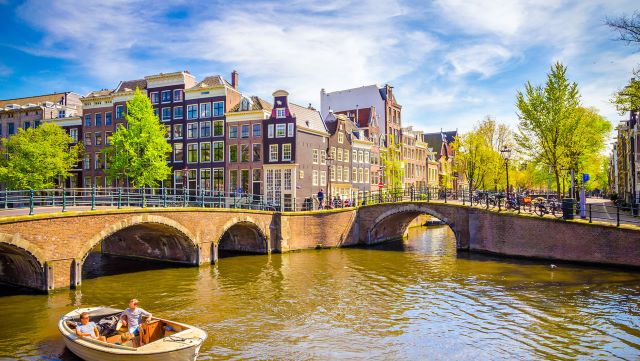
(88, 329)
(134, 316)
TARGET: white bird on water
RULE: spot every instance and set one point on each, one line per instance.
(553, 266)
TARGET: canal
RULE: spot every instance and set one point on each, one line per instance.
(416, 299)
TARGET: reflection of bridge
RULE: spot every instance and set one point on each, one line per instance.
(48, 251)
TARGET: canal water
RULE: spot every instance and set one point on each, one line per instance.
(410, 300)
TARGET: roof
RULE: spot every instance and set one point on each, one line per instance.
(53, 97)
(435, 140)
(211, 81)
(307, 118)
(128, 85)
(99, 93)
(257, 103)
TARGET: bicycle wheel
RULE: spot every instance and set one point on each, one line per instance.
(557, 211)
(539, 210)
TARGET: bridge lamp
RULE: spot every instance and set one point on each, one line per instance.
(505, 152)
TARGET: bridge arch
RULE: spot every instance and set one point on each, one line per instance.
(243, 234)
(146, 236)
(394, 223)
(21, 263)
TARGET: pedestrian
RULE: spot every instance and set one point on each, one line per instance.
(321, 199)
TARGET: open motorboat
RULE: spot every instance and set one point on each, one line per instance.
(162, 339)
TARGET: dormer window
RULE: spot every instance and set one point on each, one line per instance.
(245, 104)
(280, 113)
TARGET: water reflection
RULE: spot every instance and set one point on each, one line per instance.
(415, 299)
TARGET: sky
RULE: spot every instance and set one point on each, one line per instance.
(452, 63)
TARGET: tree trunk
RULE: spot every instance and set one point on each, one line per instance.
(557, 174)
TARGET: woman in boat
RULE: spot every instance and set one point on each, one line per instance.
(88, 329)
(134, 316)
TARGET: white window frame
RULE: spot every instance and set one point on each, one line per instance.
(175, 116)
(200, 129)
(197, 153)
(273, 158)
(213, 106)
(163, 111)
(284, 147)
(340, 137)
(154, 95)
(187, 130)
(189, 107)
(178, 98)
(213, 151)
(200, 152)
(323, 178)
(204, 113)
(270, 131)
(290, 130)
(316, 156)
(314, 178)
(283, 128)
(280, 113)
(161, 96)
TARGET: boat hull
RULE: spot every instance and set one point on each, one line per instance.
(91, 354)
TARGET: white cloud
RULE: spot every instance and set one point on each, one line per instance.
(484, 59)
(5, 71)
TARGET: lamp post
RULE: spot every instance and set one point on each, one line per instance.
(505, 152)
(329, 160)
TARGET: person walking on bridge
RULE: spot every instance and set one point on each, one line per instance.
(321, 199)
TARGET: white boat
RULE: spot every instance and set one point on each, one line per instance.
(164, 340)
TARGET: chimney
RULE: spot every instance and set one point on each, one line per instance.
(234, 79)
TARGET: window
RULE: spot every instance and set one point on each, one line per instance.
(323, 178)
(270, 131)
(73, 133)
(61, 113)
(97, 160)
(366, 175)
(205, 129)
(166, 96)
(98, 119)
(346, 155)
(314, 178)
(233, 153)
(166, 114)
(280, 130)
(108, 118)
(87, 120)
(273, 152)
(355, 156)
(339, 154)
(345, 174)
(205, 178)
(316, 156)
(218, 109)
(11, 128)
(340, 137)
(290, 129)
(286, 152)
(360, 156)
(244, 131)
(218, 151)
(233, 180)
(244, 180)
(338, 173)
(98, 138)
(177, 95)
(332, 173)
(218, 179)
(218, 128)
(205, 110)
(361, 175)
(205, 152)
(333, 152)
(354, 175)
(177, 112)
(192, 111)
(366, 157)
(107, 138)
(257, 130)
(87, 138)
(323, 157)
(244, 153)
(178, 155)
(192, 153)
(177, 131)
(26, 125)
(87, 161)
(154, 98)
(257, 152)
(233, 132)
(119, 111)
(287, 179)
(156, 111)
(192, 130)
(280, 113)
(257, 175)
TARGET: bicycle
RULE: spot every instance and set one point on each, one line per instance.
(542, 207)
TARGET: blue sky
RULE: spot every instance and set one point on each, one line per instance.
(452, 62)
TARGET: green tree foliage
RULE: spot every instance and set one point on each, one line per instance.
(37, 157)
(628, 98)
(393, 166)
(139, 151)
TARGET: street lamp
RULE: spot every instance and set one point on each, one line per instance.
(505, 152)
(329, 161)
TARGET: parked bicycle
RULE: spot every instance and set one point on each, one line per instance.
(542, 207)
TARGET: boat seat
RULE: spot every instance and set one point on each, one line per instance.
(71, 324)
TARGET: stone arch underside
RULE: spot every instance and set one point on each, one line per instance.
(244, 236)
(21, 268)
(394, 224)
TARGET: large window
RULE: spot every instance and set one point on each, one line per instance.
(281, 130)
(192, 153)
(87, 120)
(323, 157)
(257, 130)
(323, 178)
(205, 178)
(177, 131)
(290, 129)
(270, 131)
(340, 137)
(257, 152)
(98, 138)
(192, 130)
(108, 118)
(218, 109)
(178, 155)
(233, 180)
(155, 98)
(73, 133)
(177, 95)
(233, 153)
(315, 157)
(366, 175)
(177, 112)
(119, 111)
(87, 161)
(314, 178)
(166, 114)
(345, 174)
(273, 152)
(346, 155)
(87, 138)
(244, 180)
(339, 154)
(205, 110)
(286, 152)
(218, 128)
(192, 111)
(366, 157)
(218, 179)
(354, 175)
(166, 96)
(205, 129)
(218, 151)
(233, 132)
(205, 152)
(244, 131)
(98, 119)
(244, 153)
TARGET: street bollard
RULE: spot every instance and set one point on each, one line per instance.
(31, 201)
(590, 213)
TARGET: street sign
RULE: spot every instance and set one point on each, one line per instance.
(585, 177)
(380, 185)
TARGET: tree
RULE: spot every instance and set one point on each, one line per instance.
(628, 98)
(393, 167)
(36, 157)
(628, 27)
(139, 151)
(587, 138)
(546, 116)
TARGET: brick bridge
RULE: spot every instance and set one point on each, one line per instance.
(47, 251)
